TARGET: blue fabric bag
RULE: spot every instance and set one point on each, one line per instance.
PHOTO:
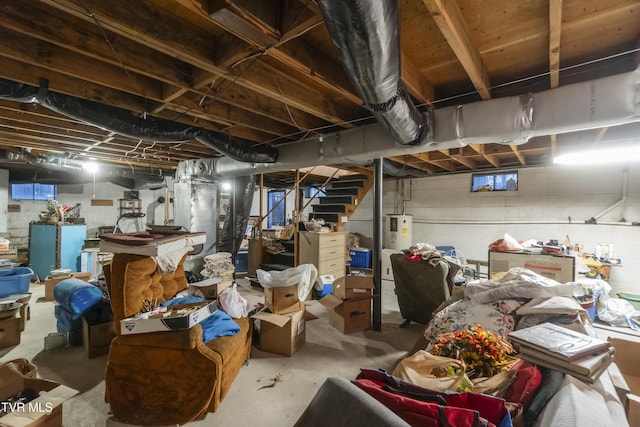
(76, 295)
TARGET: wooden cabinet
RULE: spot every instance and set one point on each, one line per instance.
(324, 250)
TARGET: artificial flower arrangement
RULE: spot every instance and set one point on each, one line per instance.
(485, 353)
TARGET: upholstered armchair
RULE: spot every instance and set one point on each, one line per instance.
(170, 377)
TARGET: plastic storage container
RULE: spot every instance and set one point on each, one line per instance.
(15, 281)
(360, 257)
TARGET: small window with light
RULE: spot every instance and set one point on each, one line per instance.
(501, 181)
(33, 192)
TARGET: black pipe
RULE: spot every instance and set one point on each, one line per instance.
(124, 122)
(377, 243)
(237, 218)
(365, 32)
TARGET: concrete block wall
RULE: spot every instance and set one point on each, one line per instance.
(445, 212)
(95, 216)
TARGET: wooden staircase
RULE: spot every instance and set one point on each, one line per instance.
(342, 198)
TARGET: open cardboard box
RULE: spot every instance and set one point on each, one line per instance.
(348, 316)
(43, 411)
(281, 334)
(626, 377)
(211, 288)
(166, 322)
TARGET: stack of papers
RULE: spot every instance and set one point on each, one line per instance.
(564, 350)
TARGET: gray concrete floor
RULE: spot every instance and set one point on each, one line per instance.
(326, 353)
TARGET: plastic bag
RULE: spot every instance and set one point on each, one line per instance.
(615, 311)
(233, 303)
(304, 276)
(518, 282)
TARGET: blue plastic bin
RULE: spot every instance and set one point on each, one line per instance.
(15, 281)
(360, 257)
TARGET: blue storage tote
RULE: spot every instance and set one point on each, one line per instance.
(15, 281)
(360, 257)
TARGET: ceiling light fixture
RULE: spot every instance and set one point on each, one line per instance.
(91, 167)
(626, 154)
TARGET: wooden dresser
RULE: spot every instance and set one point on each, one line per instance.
(327, 251)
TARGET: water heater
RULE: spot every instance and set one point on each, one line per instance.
(398, 232)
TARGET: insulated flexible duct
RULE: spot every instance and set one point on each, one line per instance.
(365, 33)
(608, 101)
(123, 122)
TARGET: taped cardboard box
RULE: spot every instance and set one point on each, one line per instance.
(169, 320)
(50, 282)
(43, 411)
(283, 299)
(10, 331)
(97, 338)
(348, 287)
(626, 377)
(281, 334)
(348, 316)
(211, 288)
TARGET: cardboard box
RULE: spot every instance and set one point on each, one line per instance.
(211, 288)
(10, 331)
(283, 299)
(25, 314)
(50, 282)
(628, 387)
(281, 334)
(43, 411)
(348, 287)
(168, 321)
(348, 316)
(97, 338)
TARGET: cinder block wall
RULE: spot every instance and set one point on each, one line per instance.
(445, 212)
(95, 216)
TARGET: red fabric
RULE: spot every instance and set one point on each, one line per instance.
(524, 387)
(421, 407)
(413, 258)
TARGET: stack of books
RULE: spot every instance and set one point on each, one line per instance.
(562, 349)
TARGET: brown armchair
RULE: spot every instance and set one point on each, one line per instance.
(171, 377)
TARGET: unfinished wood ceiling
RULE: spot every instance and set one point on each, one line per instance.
(267, 71)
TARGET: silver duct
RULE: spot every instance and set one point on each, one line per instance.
(609, 101)
(196, 209)
(365, 33)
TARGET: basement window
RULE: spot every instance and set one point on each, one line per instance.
(277, 206)
(501, 181)
(33, 192)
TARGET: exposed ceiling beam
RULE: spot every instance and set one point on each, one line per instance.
(414, 163)
(480, 149)
(448, 16)
(417, 85)
(555, 28)
(295, 54)
(518, 154)
(457, 154)
(166, 33)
